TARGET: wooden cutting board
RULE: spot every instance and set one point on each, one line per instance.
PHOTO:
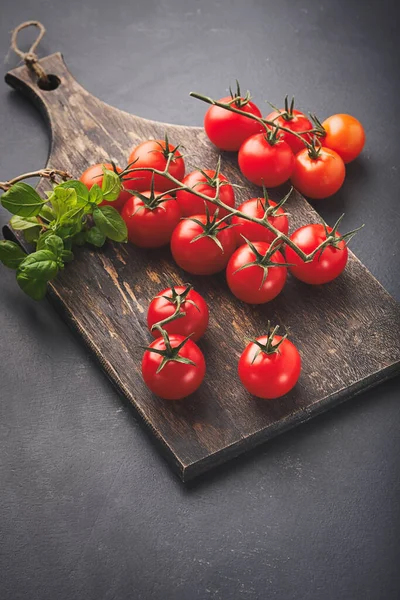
(348, 331)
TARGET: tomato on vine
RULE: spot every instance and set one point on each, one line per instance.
(292, 119)
(228, 130)
(256, 272)
(173, 367)
(345, 135)
(155, 154)
(151, 217)
(260, 208)
(318, 173)
(202, 244)
(179, 310)
(270, 366)
(266, 159)
(94, 174)
(205, 182)
(329, 262)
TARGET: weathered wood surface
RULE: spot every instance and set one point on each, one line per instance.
(348, 332)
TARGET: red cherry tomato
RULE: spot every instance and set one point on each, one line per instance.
(175, 380)
(94, 174)
(270, 375)
(318, 177)
(150, 227)
(205, 183)
(154, 154)
(345, 135)
(256, 207)
(228, 130)
(202, 256)
(326, 265)
(258, 283)
(266, 163)
(188, 303)
(295, 121)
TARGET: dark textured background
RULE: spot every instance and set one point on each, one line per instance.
(88, 508)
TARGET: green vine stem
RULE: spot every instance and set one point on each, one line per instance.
(51, 174)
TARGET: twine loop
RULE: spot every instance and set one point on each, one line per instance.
(30, 58)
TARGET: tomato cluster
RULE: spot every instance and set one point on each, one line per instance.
(173, 366)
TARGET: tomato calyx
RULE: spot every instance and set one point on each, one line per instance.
(169, 155)
(264, 261)
(287, 113)
(178, 299)
(212, 180)
(152, 201)
(170, 354)
(272, 135)
(211, 227)
(237, 97)
(269, 210)
(270, 347)
(319, 129)
(333, 238)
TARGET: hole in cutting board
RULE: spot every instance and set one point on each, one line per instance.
(51, 84)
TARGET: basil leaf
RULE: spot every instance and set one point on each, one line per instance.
(19, 223)
(55, 244)
(63, 200)
(95, 237)
(23, 200)
(35, 288)
(39, 265)
(11, 255)
(82, 193)
(41, 243)
(95, 194)
(47, 213)
(111, 185)
(78, 239)
(67, 256)
(32, 235)
(110, 222)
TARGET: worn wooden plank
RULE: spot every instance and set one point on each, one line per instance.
(348, 331)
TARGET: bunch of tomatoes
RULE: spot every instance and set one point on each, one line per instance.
(196, 214)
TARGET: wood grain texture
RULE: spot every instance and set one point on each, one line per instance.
(348, 331)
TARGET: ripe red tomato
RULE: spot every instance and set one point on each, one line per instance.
(264, 162)
(257, 208)
(260, 282)
(270, 373)
(154, 154)
(345, 135)
(94, 174)
(202, 246)
(150, 223)
(184, 300)
(228, 130)
(318, 177)
(295, 121)
(205, 183)
(183, 370)
(327, 264)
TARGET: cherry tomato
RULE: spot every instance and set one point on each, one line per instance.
(265, 162)
(176, 379)
(327, 264)
(345, 135)
(270, 375)
(260, 282)
(185, 300)
(295, 121)
(228, 130)
(257, 207)
(94, 174)
(202, 256)
(154, 154)
(150, 227)
(205, 183)
(318, 177)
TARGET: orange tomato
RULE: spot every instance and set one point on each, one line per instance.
(345, 135)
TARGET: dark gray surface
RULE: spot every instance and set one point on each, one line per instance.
(88, 508)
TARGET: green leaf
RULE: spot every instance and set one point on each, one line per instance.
(67, 256)
(95, 194)
(39, 265)
(23, 200)
(110, 222)
(32, 235)
(82, 193)
(95, 237)
(11, 255)
(78, 239)
(47, 213)
(111, 185)
(63, 200)
(41, 243)
(55, 244)
(35, 288)
(19, 223)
